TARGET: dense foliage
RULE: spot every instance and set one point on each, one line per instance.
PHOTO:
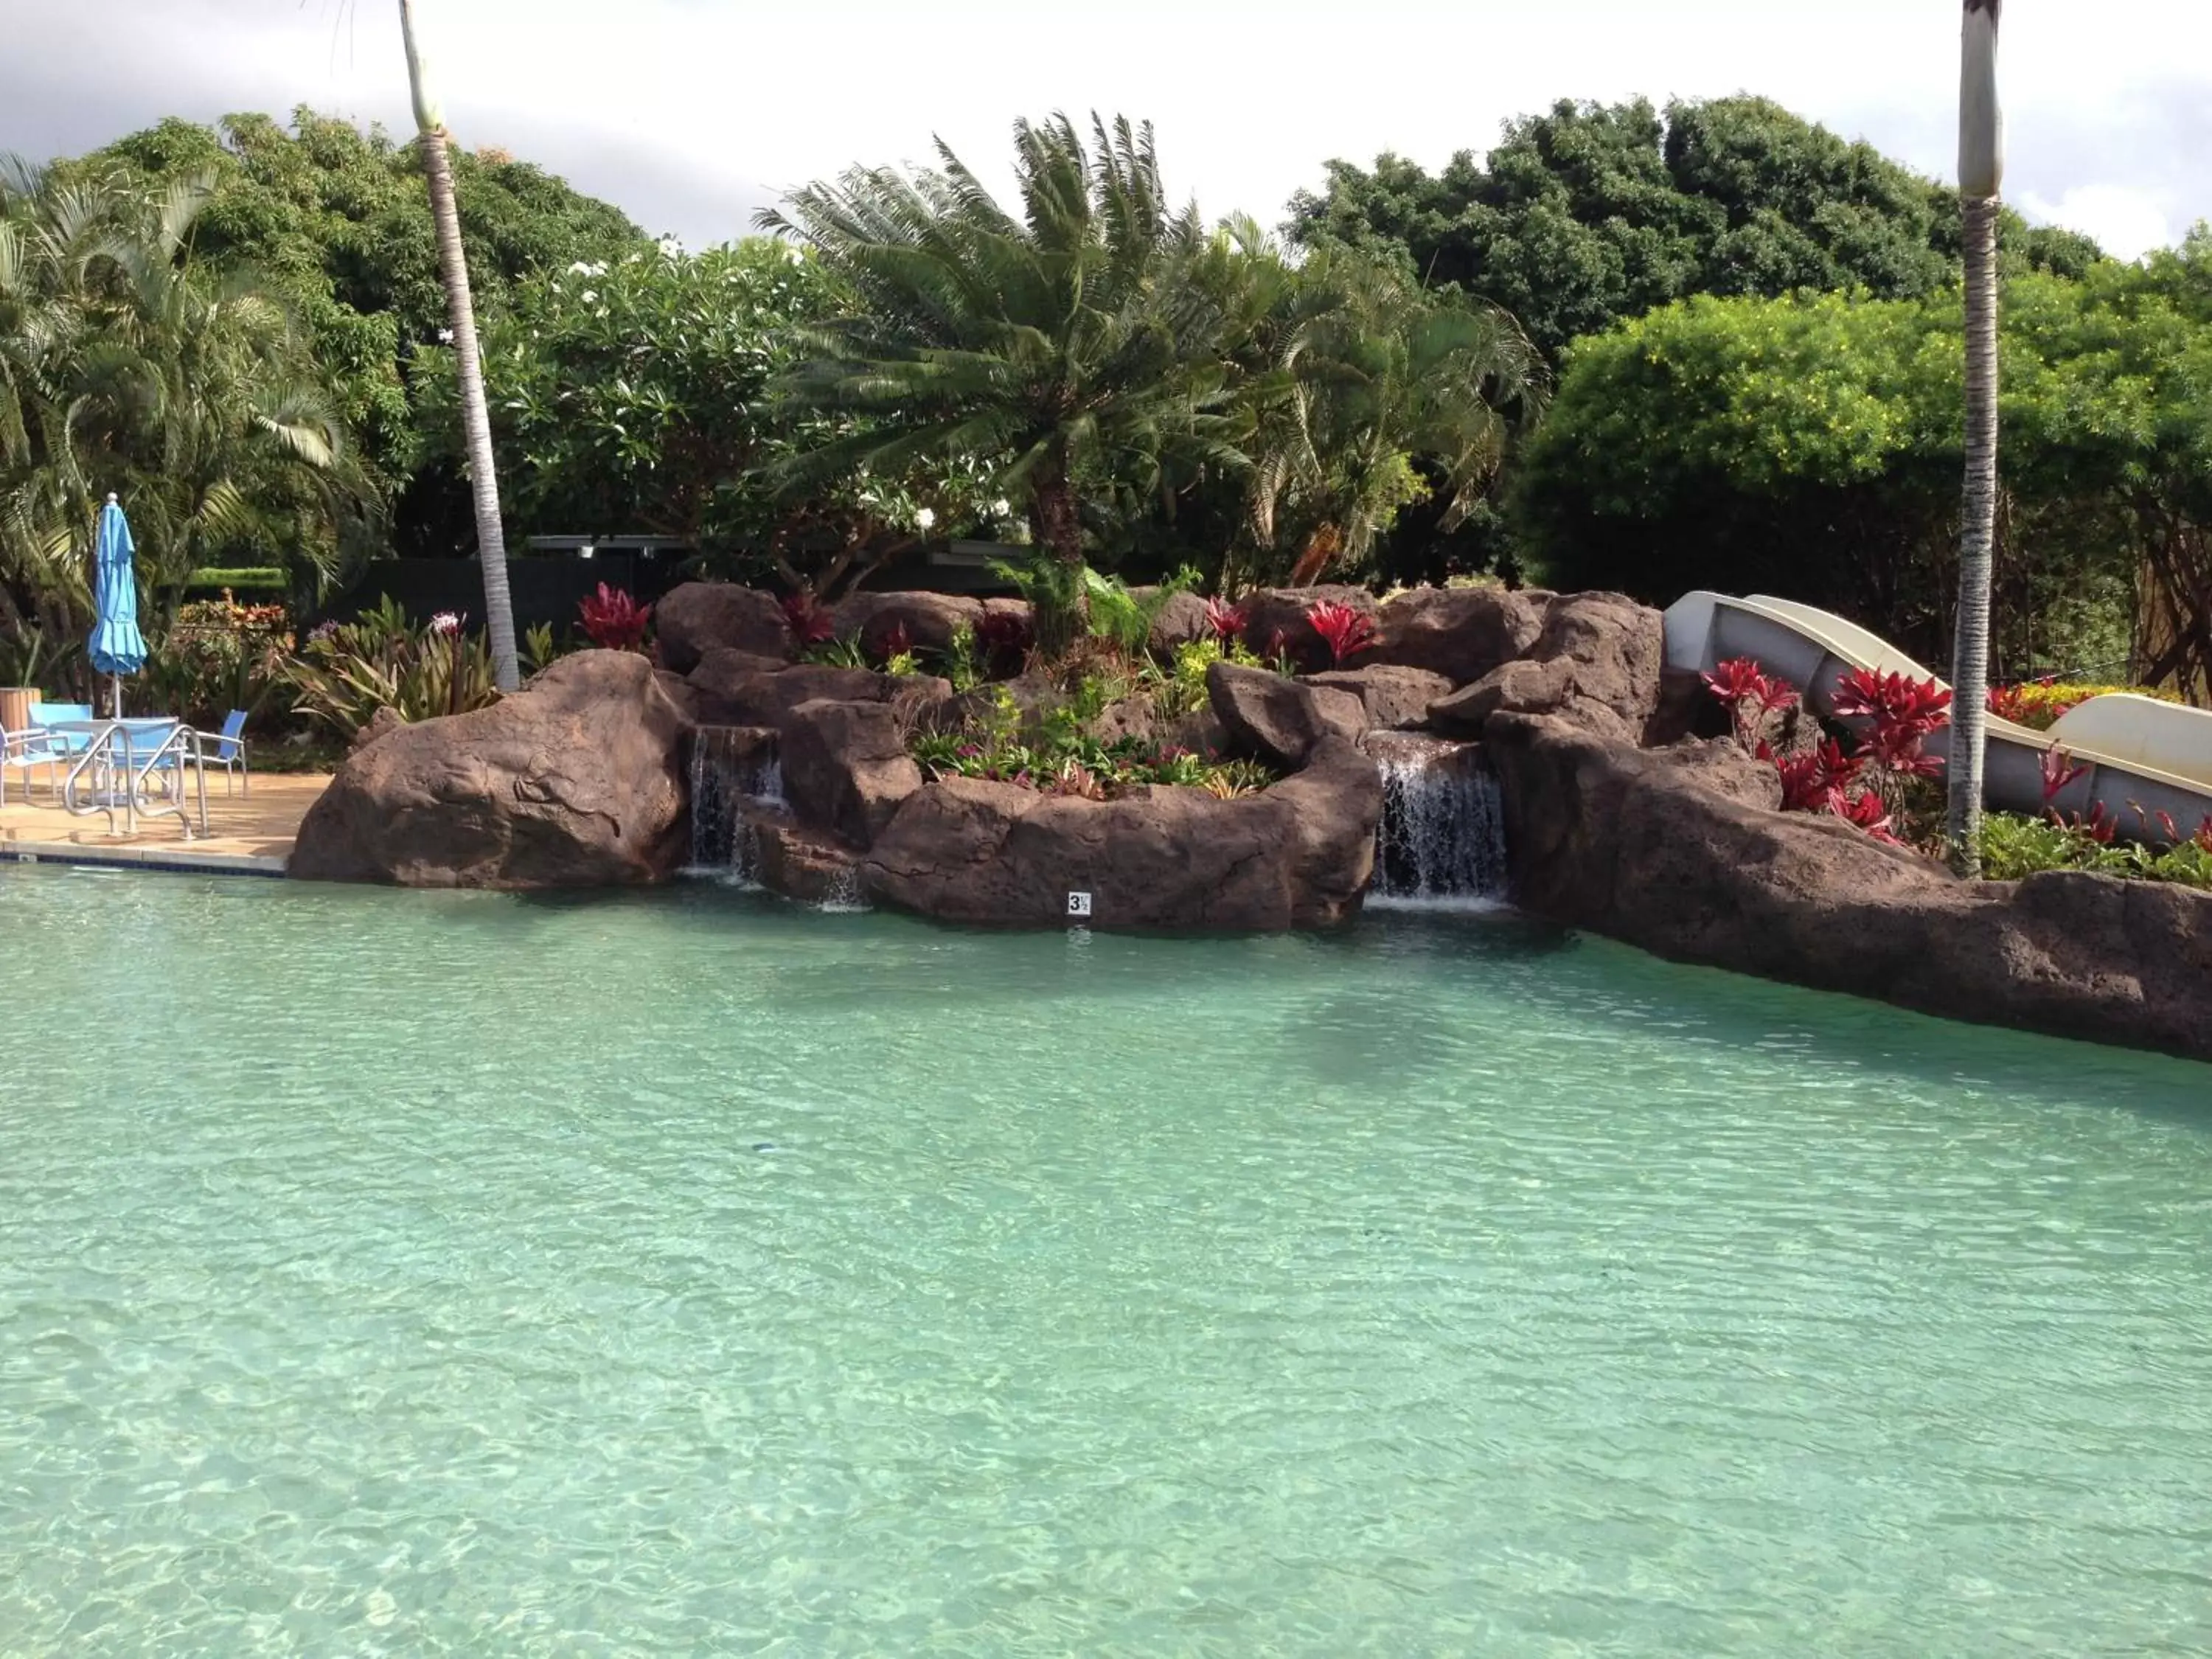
(337, 221)
(128, 365)
(1811, 447)
(1591, 214)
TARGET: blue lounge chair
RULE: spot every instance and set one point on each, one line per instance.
(226, 749)
(25, 751)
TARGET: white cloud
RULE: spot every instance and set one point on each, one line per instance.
(2125, 222)
(691, 114)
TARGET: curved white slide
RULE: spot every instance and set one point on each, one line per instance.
(2141, 758)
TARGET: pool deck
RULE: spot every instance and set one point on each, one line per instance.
(249, 834)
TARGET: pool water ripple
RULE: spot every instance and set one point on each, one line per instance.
(421, 1273)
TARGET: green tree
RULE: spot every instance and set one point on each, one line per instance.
(336, 219)
(632, 394)
(1384, 396)
(1812, 447)
(1589, 214)
(127, 366)
(1064, 342)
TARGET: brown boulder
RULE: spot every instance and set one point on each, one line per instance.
(930, 620)
(1396, 698)
(576, 780)
(1277, 720)
(1156, 860)
(1596, 663)
(1640, 845)
(1282, 611)
(697, 617)
(1461, 633)
(1180, 620)
(733, 688)
(796, 861)
(846, 766)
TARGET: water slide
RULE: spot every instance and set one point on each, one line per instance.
(2137, 750)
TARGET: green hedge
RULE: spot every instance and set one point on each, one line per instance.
(247, 579)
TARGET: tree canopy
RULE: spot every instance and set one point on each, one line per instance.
(1589, 213)
(337, 221)
(1811, 447)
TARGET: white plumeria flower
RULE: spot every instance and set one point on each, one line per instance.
(923, 518)
(445, 621)
(1000, 509)
(445, 337)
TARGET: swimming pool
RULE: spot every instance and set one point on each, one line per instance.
(435, 1273)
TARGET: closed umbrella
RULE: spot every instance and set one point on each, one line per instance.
(118, 646)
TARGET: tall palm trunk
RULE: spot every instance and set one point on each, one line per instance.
(1055, 518)
(1981, 177)
(476, 419)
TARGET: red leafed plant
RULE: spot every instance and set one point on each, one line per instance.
(1752, 698)
(2059, 771)
(613, 621)
(1809, 780)
(1867, 811)
(1918, 708)
(1347, 632)
(1226, 620)
(810, 622)
(896, 643)
(2204, 835)
(1004, 638)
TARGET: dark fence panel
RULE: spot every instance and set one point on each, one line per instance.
(545, 590)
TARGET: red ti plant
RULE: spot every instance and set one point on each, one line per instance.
(1226, 620)
(810, 622)
(1811, 781)
(1004, 636)
(2059, 771)
(1751, 699)
(1347, 632)
(1867, 810)
(613, 621)
(896, 643)
(2204, 835)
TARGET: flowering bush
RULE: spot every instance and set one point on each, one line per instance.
(2038, 703)
(217, 656)
(613, 621)
(346, 672)
(1347, 632)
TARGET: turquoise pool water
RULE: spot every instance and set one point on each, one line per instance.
(422, 1273)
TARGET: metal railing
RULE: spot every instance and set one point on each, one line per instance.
(108, 775)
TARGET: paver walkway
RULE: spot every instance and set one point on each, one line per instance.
(252, 830)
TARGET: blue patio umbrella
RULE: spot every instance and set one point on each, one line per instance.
(118, 646)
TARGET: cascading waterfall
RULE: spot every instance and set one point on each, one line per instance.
(1441, 842)
(732, 768)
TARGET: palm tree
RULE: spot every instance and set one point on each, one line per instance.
(126, 366)
(1384, 395)
(1981, 179)
(476, 419)
(1061, 344)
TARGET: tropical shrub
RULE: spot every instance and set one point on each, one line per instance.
(2014, 846)
(2038, 703)
(1345, 631)
(1068, 765)
(217, 656)
(613, 621)
(345, 672)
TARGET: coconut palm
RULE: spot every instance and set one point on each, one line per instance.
(1062, 344)
(460, 307)
(1981, 179)
(1384, 395)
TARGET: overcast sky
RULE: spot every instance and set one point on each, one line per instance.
(690, 115)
